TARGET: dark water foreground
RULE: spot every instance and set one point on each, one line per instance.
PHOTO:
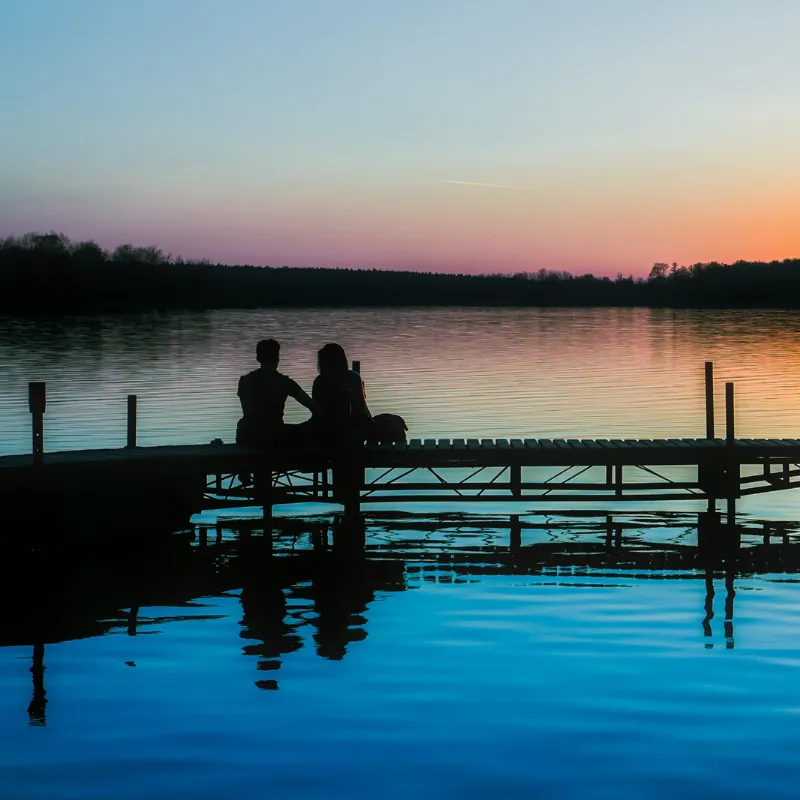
(429, 657)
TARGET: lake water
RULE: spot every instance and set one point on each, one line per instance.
(447, 657)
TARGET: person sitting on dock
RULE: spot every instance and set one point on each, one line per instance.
(263, 393)
(346, 423)
(340, 392)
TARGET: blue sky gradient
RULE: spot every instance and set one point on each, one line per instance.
(354, 133)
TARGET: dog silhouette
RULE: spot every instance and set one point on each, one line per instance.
(387, 429)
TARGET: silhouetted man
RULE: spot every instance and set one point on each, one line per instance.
(263, 394)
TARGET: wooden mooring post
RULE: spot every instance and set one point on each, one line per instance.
(730, 434)
(37, 402)
(131, 420)
(709, 399)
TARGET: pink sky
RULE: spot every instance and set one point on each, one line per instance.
(443, 136)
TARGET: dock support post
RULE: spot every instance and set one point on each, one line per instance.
(37, 402)
(354, 472)
(265, 494)
(353, 480)
(731, 514)
(733, 468)
(618, 480)
(709, 399)
(131, 420)
(516, 480)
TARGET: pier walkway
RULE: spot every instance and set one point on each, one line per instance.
(437, 470)
(179, 480)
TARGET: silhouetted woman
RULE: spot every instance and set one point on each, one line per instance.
(339, 391)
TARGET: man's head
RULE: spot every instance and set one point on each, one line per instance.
(268, 352)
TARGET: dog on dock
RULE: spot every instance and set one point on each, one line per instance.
(387, 429)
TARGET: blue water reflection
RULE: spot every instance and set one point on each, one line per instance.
(439, 656)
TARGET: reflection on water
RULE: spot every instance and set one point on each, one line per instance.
(608, 373)
(411, 655)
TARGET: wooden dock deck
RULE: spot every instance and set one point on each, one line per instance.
(440, 470)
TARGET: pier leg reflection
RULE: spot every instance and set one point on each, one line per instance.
(36, 708)
(730, 594)
(709, 607)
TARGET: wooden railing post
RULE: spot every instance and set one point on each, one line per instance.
(37, 402)
(131, 420)
(709, 399)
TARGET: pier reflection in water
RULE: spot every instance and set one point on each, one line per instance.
(561, 623)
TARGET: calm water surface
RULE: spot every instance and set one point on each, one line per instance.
(440, 662)
(448, 657)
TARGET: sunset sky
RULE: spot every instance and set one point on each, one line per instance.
(426, 134)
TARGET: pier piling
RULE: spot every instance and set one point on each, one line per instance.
(37, 402)
(709, 399)
(729, 414)
(131, 420)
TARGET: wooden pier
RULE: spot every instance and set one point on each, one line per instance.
(185, 479)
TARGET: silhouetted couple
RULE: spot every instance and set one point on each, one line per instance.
(338, 404)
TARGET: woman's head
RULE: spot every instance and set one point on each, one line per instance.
(331, 358)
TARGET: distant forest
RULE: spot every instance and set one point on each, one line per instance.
(49, 274)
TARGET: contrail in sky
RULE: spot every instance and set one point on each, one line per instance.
(490, 185)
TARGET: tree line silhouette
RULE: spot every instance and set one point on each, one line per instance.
(47, 273)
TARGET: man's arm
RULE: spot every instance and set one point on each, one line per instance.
(298, 394)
